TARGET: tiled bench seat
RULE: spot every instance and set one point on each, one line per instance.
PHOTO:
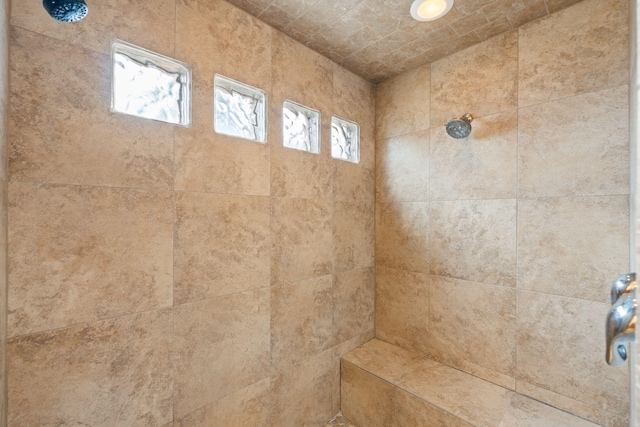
(383, 386)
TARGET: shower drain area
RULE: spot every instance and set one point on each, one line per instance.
(384, 385)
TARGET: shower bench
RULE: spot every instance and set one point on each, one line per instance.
(383, 385)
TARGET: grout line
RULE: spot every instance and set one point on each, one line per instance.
(90, 322)
(517, 193)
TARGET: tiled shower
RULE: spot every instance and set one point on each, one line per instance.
(170, 276)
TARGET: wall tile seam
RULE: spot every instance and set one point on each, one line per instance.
(520, 198)
(176, 419)
(515, 287)
(475, 118)
(68, 43)
(273, 370)
(199, 300)
(576, 196)
(597, 409)
(302, 279)
(432, 127)
(339, 272)
(389, 334)
(531, 291)
(4, 181)
(591, 91)
(480, 199)
(468, 281)
(88, 324)
(378, 266)
(114, 187)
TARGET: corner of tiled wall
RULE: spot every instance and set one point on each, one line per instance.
(481, 249)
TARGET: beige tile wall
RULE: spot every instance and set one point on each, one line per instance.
(173, 276)
(4, 117)
(495, 253)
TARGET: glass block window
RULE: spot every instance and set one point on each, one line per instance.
(345, 140)
(300, 127)
(239, 110)
(149, 85)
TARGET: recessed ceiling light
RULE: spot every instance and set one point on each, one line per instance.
(429, 10)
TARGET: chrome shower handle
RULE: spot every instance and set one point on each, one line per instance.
(622, 286)
(620, 328)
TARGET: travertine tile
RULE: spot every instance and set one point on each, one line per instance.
(340, 350)
(222, 245)
(575, 146)
(413, 346)
(413, 411)
(384, 360)
(114, 372)
(301, 395)
(355, 182)
(207, 161)
(366, 399)
(402, 304)
(4, 144)
(464, 314)
(402, 236)
(59, 126)
(151, 26)
(525, 412)
(402, 103)
(301, 320)
(556, 5)
(533, 10)
(493, 28)
(303, 76)
(371, 38)
(593, 53)
(594, 414)
(301, 233)
(296, 173)
(79, 254)
(556, 255)
(560, 347)
(247, 407)
(481, 80)
(353, 235)
(460, 244)
(353, 303)
(217, 38)
(354, 100)
(446, 357)
(221, 346)
(471, 399)
(481, 166)
(402, 168)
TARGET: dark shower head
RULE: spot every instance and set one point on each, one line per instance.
(460, 127)
(66, 10)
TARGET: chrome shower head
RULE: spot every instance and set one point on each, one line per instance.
(66, 10)
(460, 127)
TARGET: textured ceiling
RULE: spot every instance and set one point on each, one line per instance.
(378, 39)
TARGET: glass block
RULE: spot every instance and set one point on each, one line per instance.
(239, 110)
(345, 140)
(300, 127)
(149, 85)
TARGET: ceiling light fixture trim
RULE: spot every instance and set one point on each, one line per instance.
(430, 10)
